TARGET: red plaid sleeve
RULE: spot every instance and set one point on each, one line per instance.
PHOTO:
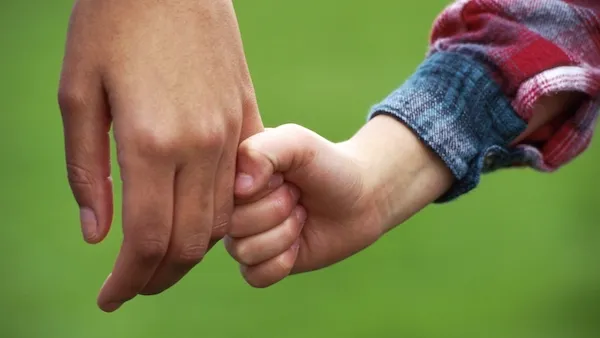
(534, 48)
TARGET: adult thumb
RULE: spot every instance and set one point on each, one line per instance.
(86, 122)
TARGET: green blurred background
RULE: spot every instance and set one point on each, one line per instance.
(517, 258)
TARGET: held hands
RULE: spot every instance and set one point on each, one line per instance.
(170, 78)
(337, 200)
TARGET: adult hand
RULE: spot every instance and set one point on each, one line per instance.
(172, 79)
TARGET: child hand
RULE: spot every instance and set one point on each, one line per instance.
(337, 200)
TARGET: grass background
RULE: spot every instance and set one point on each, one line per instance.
(517, 258)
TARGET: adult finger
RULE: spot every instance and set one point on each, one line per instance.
(203, 204)
(254, 218)
(86, 122)
(192, 223)
(147, 221)
(256, 249)
(224, 178)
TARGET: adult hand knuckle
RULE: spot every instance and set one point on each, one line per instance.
(209, 139)
(156, 141)
(70, 99)
(151, 250)
(193, 251)
(191, 254)
(233, 122)
(249, 101)
(78, 175)
(221, 226)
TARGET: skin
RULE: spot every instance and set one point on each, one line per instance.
(338, 199)
(171, 79)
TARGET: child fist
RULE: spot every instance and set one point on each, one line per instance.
(337, 199)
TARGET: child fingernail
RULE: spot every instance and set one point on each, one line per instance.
(243, 182)
(295, 193)
(301, 215)
(275, 181)
(296, 245)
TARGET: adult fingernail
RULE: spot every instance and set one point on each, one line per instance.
(111, 307)
(275, 181)
(89, 223)
(301, 215)
(243, 182)
(106, 280)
